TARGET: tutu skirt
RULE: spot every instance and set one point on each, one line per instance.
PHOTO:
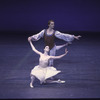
(43, 73)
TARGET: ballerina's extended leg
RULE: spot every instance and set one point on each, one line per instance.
(56, 81)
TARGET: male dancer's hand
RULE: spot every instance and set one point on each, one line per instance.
(66, 51)
(77, 37)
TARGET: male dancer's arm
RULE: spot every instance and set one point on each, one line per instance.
(66, 37)
(37, 36)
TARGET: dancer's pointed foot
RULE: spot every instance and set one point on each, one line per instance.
(60, 81)
(31, 85)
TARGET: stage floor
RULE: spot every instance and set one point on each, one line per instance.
(80, 69)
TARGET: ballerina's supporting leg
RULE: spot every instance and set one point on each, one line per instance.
(32, 80)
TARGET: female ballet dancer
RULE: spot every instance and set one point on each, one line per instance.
(43, 71)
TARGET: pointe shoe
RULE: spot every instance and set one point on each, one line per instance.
(31, 85)
(59, 81)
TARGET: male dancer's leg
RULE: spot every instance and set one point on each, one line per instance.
(61, 46)
(52, 53)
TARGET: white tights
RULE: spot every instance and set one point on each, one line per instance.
(53, 52)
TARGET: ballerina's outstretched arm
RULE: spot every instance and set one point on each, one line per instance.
(58, 57)
(34, 49)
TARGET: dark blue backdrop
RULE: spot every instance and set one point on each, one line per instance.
(33, 15)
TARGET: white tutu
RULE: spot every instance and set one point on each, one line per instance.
(44, 73)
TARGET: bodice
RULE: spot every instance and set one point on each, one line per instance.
(43, 61)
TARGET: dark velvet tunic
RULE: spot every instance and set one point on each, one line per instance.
(49, 39)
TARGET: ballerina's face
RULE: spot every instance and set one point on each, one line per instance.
(47, 49)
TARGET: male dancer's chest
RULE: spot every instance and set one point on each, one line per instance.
(49, 38)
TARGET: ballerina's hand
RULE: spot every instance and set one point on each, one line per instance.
(29, 39)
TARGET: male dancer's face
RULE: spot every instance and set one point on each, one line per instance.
(51, 25)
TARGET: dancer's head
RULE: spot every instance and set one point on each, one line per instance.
(46, 49)
(51, 24)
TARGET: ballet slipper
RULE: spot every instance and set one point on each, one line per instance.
(59, 81)
(31, 85)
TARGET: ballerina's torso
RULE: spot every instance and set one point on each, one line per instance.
(43, 61)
